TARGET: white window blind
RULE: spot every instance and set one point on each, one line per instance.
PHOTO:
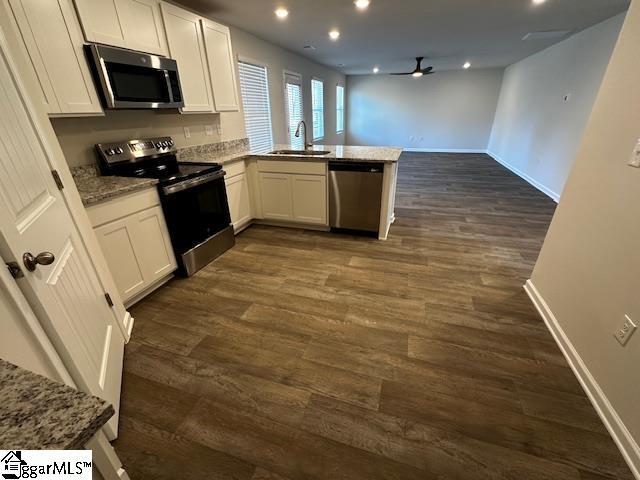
(339, 109)
(293, 96)
(317, 100)
(254, 86)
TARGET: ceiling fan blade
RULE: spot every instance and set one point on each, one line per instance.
(407, 73)
(427, 70)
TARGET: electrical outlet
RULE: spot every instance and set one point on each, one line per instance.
(635, 156)
(567, 98)
(623, 334)
(219, 129)
(208, 130)
(187, 132)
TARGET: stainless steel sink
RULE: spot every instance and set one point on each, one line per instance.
(300, 152)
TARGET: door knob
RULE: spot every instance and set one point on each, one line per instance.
(31, 262)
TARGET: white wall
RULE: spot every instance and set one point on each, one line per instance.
(535, 132)
(589, 268)
(277, 60)
(450, 110)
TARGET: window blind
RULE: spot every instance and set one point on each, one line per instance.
(339, 109)
(254, 86)
(317, 100)
(293, 94)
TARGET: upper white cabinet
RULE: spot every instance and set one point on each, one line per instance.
(217, 39)
(132, 24)
(53, 40)
(186, 46)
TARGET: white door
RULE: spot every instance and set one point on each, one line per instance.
(309, 193)
(222, 67)
(239, 203)
(275, 192)
(186, 46)
(53, 38)
(102, 21)
(66, 294)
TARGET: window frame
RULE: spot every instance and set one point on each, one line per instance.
(257, 63)
(316, 139)
(286, 75)
(341, 111)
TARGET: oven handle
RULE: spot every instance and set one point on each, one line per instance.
(194, 182)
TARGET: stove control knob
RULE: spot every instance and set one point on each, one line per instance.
(110, 152)
(158, 144)
(119, 150)
(170, 142)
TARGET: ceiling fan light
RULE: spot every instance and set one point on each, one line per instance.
(417, 74)
(361, 4)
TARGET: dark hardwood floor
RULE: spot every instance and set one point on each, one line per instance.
(305, 355)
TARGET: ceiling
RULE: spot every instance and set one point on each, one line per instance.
(390, 33)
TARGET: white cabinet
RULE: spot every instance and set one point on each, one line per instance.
(53, 40)
(186, 46)
(134, 238)
(293, 191)
(132, 24)
(239, 202)
(217, 40)
(275, 193)
(309, 198)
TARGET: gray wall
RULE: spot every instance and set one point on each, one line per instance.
(536, 133)
(78, 136)
(450, 110)
(589, 265)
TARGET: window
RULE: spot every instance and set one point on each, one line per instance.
(293, 99)
(317, 107)
(339, 109)
(254, 86)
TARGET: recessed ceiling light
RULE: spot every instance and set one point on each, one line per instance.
(362, 4)
(538, 2)
(334, 34)
(376, 69)
(282, 13)
(417, 74)
(466, 65)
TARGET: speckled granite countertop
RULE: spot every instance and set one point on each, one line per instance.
(343, 153)
(39, 414)
(95, 189)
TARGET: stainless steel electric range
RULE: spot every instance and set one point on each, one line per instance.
(193, 197)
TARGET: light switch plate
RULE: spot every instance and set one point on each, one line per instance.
(208, 129)
(635, 156)
(623, 334)
(219, 129)
(187, 132)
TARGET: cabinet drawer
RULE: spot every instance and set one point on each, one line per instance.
(286, 166)
(123, 206)
(235, 168)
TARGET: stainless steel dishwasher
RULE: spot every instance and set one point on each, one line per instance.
(355, 195)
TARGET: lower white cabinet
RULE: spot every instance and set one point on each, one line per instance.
(275, 193)
(239, 203)
(134, 238)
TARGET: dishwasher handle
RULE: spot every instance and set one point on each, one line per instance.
(356, 167)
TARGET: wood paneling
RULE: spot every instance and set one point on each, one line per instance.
(320, 356)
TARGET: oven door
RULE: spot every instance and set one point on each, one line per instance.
(131, 79)
(197, 214)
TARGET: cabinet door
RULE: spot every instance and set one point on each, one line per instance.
(103, 21)
(186, 46)
(143, 28)
(309, 193)
(275, 192)
(222, 66)
(116, 240)
(52, 35)
(239, 204)
(152, 244)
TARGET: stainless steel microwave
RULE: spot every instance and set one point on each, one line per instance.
(129, 79)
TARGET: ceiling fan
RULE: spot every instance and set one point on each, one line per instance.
(419, 71)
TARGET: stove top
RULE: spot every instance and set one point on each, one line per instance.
(148, 158)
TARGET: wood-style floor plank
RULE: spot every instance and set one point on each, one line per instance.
(304, 355)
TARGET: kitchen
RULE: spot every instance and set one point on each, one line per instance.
(250, 272)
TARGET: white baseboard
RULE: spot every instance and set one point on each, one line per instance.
(547, 191)
(444, 150)
(618, 431)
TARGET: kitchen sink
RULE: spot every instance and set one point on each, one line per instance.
(300, 152)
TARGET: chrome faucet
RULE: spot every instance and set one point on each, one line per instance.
(307, 144)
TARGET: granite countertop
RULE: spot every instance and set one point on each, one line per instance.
(95, 189)
(37, 413)
(341, 153)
